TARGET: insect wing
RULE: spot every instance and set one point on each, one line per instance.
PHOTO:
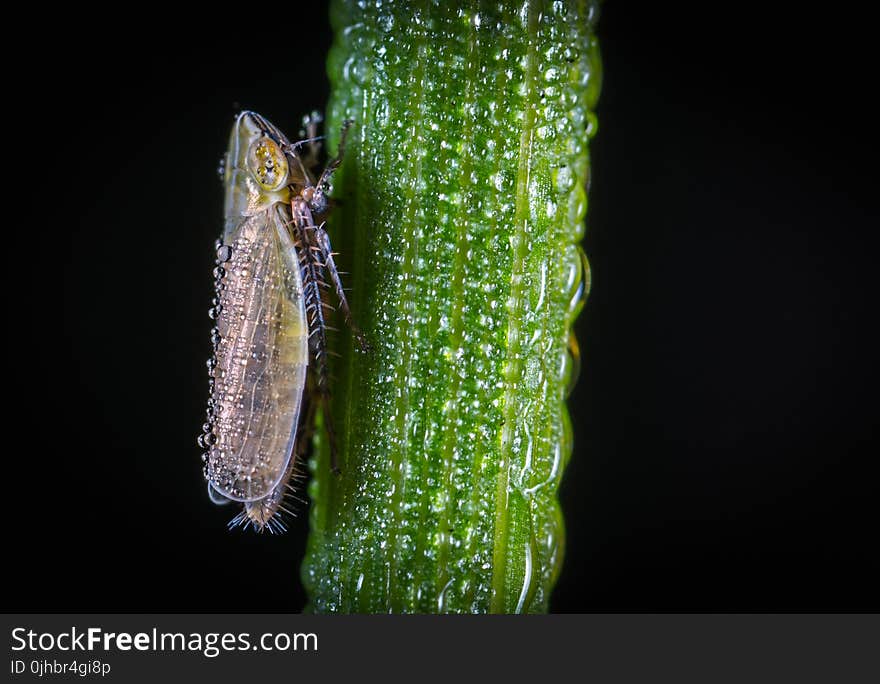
(261, 360)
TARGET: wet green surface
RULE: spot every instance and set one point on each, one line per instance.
(462, 200)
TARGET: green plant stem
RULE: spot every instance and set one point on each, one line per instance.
(460, 205)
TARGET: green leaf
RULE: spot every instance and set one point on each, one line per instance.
(461, 204)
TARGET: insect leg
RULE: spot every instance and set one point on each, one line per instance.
(307, 428)
(334, 163)
(323, 240)
(313, 285)
(320, 387)
(331, 433)
(310, 131)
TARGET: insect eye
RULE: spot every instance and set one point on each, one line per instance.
(268, 163)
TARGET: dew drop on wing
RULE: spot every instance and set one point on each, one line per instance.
(224, 253)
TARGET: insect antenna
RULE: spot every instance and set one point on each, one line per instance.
(292, 149)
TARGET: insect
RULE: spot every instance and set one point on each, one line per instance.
(268, 372)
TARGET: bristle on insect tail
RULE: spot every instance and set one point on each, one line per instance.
(272, 517)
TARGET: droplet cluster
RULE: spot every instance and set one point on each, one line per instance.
(208, 438)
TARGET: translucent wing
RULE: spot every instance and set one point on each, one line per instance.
(261, 360)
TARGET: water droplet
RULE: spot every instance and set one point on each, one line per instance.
(578, 280)
(571, 369)
(386, 23)
(564, 179)
(224, 253)
(592, 124)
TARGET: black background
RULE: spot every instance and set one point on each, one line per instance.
(725, 419)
